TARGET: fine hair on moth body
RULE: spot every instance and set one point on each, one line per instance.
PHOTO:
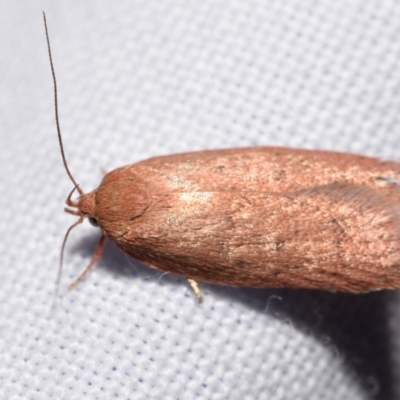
(257, 217)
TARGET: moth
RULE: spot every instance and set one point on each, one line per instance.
(258, 216)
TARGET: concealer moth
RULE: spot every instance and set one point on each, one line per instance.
(257, 217)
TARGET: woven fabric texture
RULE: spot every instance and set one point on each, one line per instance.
(144, 78)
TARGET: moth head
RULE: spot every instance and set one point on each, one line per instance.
(83, 207)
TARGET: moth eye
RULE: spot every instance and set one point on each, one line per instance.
(93, 221)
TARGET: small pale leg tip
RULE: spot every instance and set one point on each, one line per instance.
(195, 287)
(73, 285)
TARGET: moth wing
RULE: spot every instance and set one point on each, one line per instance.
(335, 237)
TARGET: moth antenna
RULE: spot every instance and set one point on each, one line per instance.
(60, 265)
(56, 108)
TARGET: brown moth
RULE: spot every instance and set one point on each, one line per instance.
(258, 216)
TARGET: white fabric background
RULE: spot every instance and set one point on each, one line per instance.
(144, 78)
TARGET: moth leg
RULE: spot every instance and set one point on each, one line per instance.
(96, 255)
(195, 287)
(386, 180)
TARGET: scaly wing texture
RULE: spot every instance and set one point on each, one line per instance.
(336, 237)
(272, 169)
(267, 217)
